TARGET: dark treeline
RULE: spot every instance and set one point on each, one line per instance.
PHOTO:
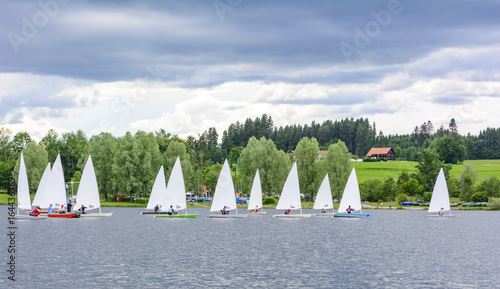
(359, 136)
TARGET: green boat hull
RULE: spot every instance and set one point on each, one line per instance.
(176, 216)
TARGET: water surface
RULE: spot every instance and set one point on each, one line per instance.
(128, 250)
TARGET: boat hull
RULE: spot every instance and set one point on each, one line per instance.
(292, 216)
(87, 215)
(352, 215)
(154, 213)
(176, 216)
(443, 216)
(228, 216)
(65, 216)
(28, 217)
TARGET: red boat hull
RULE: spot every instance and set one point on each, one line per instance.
(70, 215)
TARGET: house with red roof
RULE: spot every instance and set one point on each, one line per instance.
(385, 154)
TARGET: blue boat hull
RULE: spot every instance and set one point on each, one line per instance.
(352, 215)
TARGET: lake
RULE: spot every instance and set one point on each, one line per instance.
(400, 248)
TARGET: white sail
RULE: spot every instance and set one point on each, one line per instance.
(56, 192)
(176, 191)
(42, 187)
(23, 191)
(158, 192)
(88, 191)
(224, 191)
(256, 193)
(351, 196)
(324, 197)
(290, 196)
(440, 200)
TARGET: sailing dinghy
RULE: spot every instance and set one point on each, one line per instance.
(255, 203)
(23, 193)
(352, 198)
(88, 192)
(157, 196)
(324, 199)
(440, 200)
(224, 195)
(175, 195)
(290, 196)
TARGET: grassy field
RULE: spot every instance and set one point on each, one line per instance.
(382, 170)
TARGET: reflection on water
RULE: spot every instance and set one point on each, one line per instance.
(128, 250)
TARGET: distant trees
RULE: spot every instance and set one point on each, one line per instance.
(309, 168)
(338, 166)
(273, 165)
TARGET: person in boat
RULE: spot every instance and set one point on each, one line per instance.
(323, 211)
(224, 211)
(349, 209)
(441, 212)
(35, 212)
(157, 208)
(82, 209)
(61, 210)
(69, 204)
(287, 212)
(171, 211)
(50, 210)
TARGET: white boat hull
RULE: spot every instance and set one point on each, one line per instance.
(443, 216)
(325, 214)
(351, 216)
(228, 216)
(96, 215)
(292, 216)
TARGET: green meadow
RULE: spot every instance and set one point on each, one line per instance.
(382, 170)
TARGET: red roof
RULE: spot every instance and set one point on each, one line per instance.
(378, 151)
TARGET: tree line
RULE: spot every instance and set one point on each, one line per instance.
(127, 165)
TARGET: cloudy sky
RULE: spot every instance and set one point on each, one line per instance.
(185, 66)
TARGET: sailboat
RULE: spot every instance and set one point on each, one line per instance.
(351, 198)
(324, 198)
(224, 195)
(175, 195)
(290, 196)
(440, 201)
(56, 191)
(42, 187)
(255, 203)
(88, 192)
(158, 193)
(23, 193)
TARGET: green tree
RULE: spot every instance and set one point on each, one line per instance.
(450, 150)
(307, 155)
(5, 144)
(412, 187)
(428, 168)
(52, 144)
(35, 160)
(21, 139)
(178, 149)
(103, 149)
(469, 178)
(211, 175)
(338, 166)
(273, 165)
(490, 186)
